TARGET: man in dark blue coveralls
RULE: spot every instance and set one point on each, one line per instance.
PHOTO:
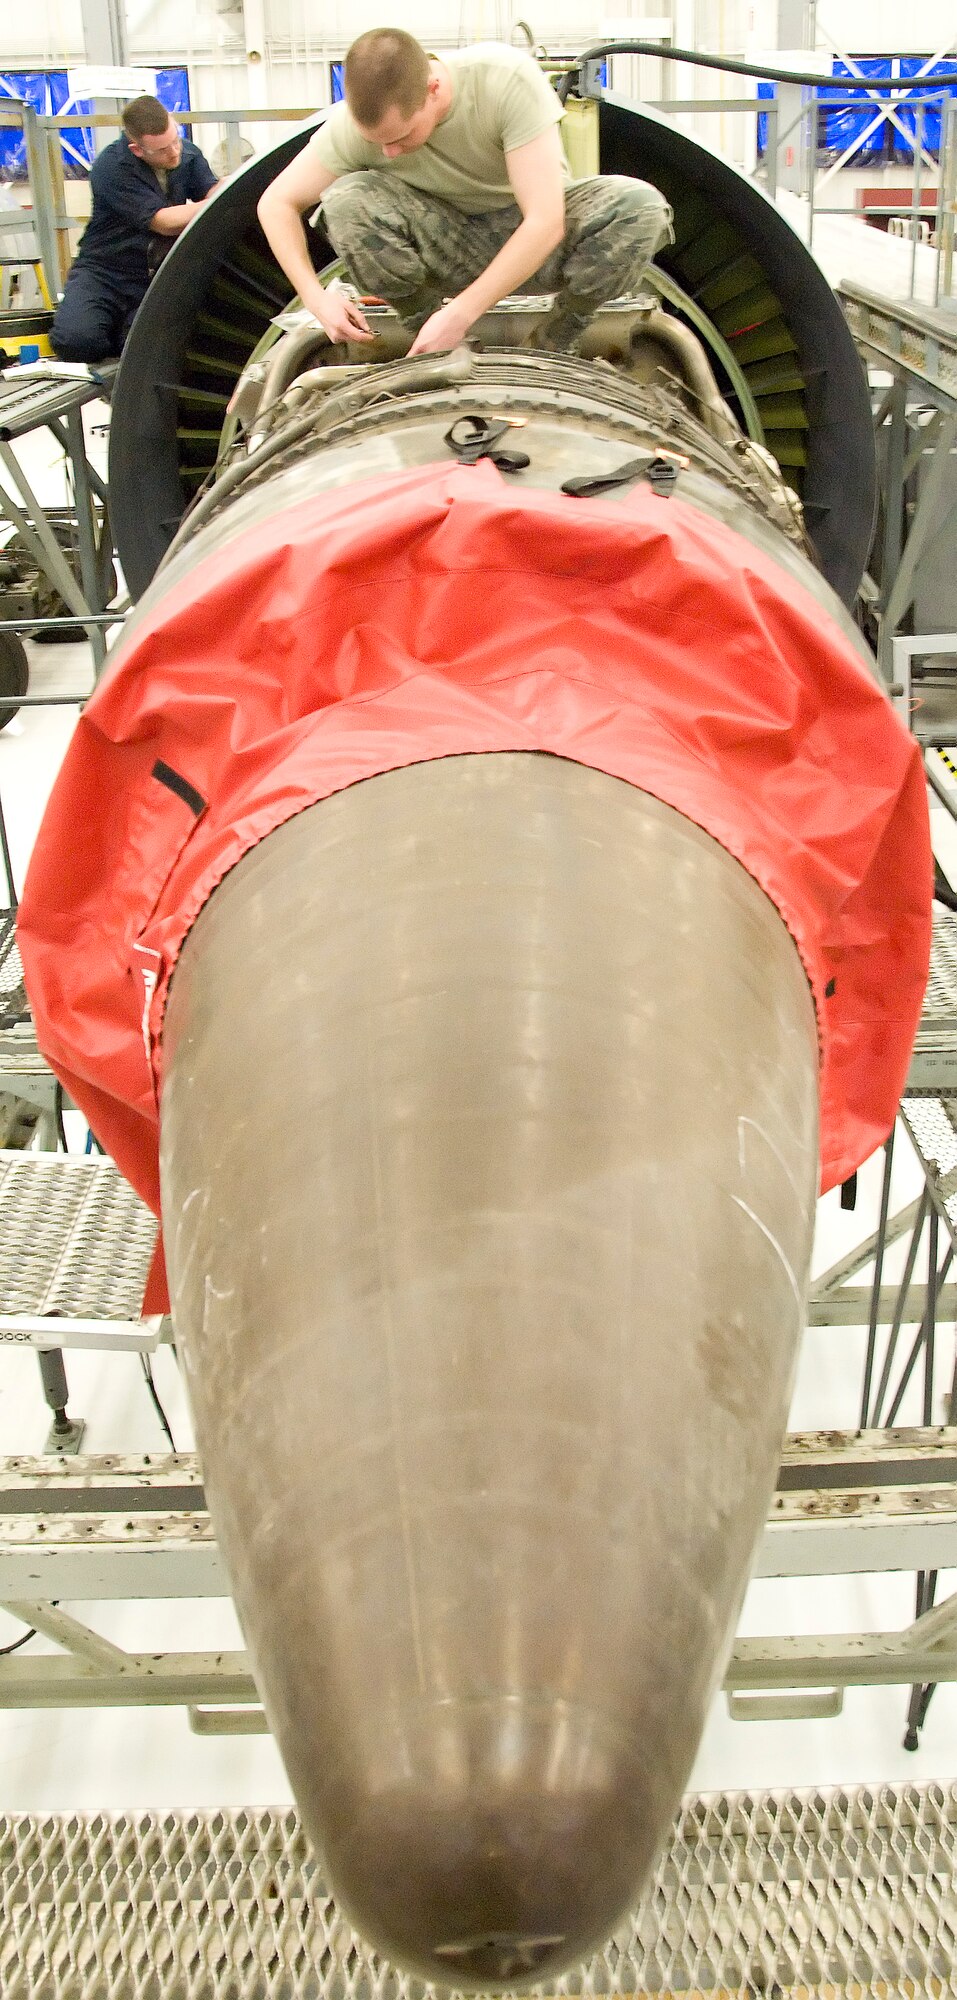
(146, 186)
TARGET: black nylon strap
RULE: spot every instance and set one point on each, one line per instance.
(660, 472)
(175, 782)
(849, 1192)
(605, 482)
(473, 437)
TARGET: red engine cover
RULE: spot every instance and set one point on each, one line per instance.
(441, 611)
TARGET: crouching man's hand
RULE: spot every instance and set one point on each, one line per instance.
(341, 317)
(444, 329)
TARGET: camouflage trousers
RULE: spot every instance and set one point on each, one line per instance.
(413, 249)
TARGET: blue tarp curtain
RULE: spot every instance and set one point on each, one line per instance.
(48, 92)
(842, 123)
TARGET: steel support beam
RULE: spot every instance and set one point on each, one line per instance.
(101, 1528)
(105, 44)
(94, 1529)
(104, 32)
(92, 1676)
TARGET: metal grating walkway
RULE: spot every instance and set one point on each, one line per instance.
(914, 336)
(934, 1063)
(932, 1124)
(75, 1244)
(940, 1003)
(18, 1042)
(813, 1894)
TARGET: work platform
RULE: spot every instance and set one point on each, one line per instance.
(918, 339)
(910, 350)
(843, 1895)
(80, 1530)
(75, 1247)
(933, 1070)
(51, 396)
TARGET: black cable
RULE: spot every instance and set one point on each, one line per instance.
(58, 1116)
(157, 1405)
(25, 1637)
(7, 863)
(736, 68)
(17, 1643)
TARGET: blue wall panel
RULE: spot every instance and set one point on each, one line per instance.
(47, 90)
(842, 120)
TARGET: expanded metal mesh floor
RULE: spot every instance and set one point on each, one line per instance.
(817, 1894)
(932, 1124)
(75, 1241)
(18, 1042)
(933, 1068)
(940, 1001)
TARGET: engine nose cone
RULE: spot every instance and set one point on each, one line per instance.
(511, 1847)
(500, 1959)
(489, 1155)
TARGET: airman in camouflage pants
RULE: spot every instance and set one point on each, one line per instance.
(414, 249)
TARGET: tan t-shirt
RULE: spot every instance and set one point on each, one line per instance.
(500, 100)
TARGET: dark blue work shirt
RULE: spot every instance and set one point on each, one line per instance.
(126, 196)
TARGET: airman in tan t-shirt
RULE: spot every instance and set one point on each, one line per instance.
(444, 188)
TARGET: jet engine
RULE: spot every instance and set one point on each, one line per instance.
(486, 897)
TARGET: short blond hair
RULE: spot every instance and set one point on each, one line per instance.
(385, 70)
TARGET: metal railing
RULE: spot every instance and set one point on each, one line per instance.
(766, 173)
(49, 217)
